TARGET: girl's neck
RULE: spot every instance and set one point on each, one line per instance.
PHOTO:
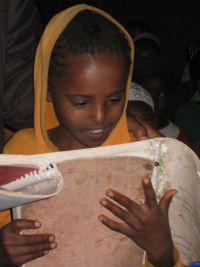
(63, 143)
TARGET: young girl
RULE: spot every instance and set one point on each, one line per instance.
(83, 68)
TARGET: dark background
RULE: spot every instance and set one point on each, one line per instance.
(175, 22)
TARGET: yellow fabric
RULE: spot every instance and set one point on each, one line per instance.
(176, 260)
(35, 141)
(5, 217)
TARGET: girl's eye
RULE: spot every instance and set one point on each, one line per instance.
(115, 100)
(80, 104)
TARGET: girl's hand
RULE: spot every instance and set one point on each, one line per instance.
(17, 249)
(140, 129)
(146, 224)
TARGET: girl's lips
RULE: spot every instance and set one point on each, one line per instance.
(97, 133)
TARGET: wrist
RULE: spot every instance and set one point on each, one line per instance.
(162, 254)
(167, 262)
(164, 262)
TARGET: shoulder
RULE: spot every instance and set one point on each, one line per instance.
(23, 142)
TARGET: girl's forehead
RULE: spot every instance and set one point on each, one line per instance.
(86, 72)
(68, 58)
(81, 63)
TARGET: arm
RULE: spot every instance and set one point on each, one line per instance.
(17, 249)
(146, 224)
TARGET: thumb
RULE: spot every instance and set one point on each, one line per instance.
(166, 200)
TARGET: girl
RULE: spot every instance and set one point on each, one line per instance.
(83, 69)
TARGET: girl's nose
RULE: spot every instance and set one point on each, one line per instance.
(99, 113)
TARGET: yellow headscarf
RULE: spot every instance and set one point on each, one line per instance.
(44, 116)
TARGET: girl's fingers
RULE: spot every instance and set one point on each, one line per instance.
(17, 251)
(24, 240)
(121, 213)
(124, 201)
(166, 200)
(18, 225)
(115, 226)
(150, 196)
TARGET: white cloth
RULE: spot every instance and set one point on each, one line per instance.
(171, 130)
(138, 93)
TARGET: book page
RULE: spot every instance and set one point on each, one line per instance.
(180, 169)
(89, 172)
(73, 214)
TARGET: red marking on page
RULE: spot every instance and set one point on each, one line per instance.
(12, 173)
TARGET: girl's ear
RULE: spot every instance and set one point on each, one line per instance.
(49, 96)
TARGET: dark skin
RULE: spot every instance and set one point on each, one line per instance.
(16, 249)
(140, 110)
(140, 129)
(146, 224)
(88, 108)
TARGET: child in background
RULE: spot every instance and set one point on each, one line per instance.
(140, 104)
(83, 67)
(146, 44)
(156, 74)
(141, 108)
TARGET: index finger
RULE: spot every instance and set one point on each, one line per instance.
(18, 225)
(123, 200)
(150, 196)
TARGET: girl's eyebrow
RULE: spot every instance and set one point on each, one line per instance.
(88, 96)
(118, 92)
(81, 96)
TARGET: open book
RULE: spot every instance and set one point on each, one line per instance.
(62, 190)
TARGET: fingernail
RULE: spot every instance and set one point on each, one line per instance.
(53, 245)
(103, 202)
(146, 181)
(51, 238)
(110, 193)
(100, 218)
(37, 224)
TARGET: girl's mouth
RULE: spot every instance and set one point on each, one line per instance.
(98, 133)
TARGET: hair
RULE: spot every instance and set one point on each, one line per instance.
(92, 33)
(145, 47)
